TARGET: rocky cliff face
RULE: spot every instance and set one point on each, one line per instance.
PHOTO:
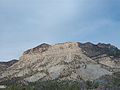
(65, 61)
(92, 50)
(105, 54)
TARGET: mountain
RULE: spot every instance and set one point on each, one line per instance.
(72, 61)
(93, 50)
(5, 65)
(9, 63)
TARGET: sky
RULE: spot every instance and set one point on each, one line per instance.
(25, 24)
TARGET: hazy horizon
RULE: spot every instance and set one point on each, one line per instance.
(25, 24)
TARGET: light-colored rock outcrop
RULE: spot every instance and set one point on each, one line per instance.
(61, 61)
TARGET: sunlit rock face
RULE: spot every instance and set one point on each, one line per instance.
(64, 61)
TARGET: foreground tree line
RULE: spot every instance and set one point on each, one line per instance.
(103, 83)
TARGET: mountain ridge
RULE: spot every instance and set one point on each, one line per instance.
(65, 61)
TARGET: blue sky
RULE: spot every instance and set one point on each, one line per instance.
(27, 23)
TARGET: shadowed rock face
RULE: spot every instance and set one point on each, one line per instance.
(92, 50)
(39, 49)
(9, 63)
(5, 65)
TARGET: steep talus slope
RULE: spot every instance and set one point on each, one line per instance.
(65, 61)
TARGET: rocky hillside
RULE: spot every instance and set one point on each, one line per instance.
(93, 50)
(5, 65)
(65, 61)
(105, 54)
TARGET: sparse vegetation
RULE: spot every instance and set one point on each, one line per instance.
(91, 84)
(108, 82)
(114, 52)
(16, 87)
(116, 79)
(56, 85)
